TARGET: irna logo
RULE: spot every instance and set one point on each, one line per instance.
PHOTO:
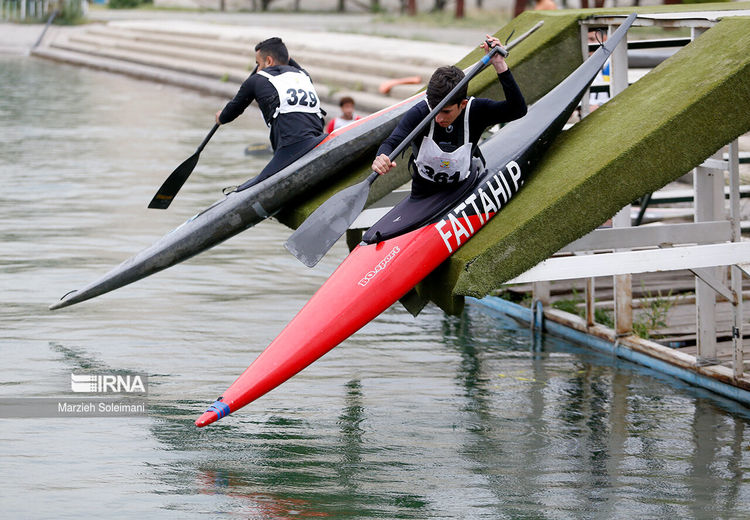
(108, 383)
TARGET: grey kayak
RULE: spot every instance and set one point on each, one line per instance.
(241, 210)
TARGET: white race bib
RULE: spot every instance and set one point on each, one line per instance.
(441, 167)
(296, 93)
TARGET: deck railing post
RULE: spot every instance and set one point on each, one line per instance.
(540, 292)
(590, 302)
(623, 284)
(585, 54)
(618, 66)
(736, 276)
(709, 206)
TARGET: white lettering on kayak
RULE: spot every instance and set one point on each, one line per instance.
(383, 263)
(471, 200)
(505, 182)
(458, 228)
(498, 186)
(487, 205)
(497, 190)
(461, 209)
(515, 173)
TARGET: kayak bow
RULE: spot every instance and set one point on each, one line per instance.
(374, 276)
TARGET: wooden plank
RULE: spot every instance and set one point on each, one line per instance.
(670, 196)
(652, 235)
(609, 264)
(710, 278)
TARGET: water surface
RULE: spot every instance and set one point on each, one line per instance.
(434, 417)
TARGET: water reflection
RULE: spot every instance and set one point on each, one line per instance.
(351, 436)
(593, 442)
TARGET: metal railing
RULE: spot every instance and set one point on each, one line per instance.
(39, 11)
(25, 10)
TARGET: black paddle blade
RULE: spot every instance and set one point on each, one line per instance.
(174, 182)
(325, 225)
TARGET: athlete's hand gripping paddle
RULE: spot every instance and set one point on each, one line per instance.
(316, 235)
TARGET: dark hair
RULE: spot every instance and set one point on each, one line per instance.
(442, 82)
(275, 48)
(346, 99)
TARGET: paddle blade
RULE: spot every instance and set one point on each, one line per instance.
(325, 225)
(174, 182)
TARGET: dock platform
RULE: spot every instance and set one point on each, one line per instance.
(664, 310)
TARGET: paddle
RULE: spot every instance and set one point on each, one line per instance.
(174, 182)
(315, 236)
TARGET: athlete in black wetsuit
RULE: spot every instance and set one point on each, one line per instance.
(445, 159)
(288, 102)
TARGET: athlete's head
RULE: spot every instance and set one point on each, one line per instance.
(443, 80)
(271, 52)
(347, 107)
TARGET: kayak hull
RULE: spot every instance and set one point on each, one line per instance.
(241, 210)
(374, 276)
(367, 283)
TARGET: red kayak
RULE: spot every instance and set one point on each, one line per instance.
(374, 276)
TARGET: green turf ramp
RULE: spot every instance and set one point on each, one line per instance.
(651, 134)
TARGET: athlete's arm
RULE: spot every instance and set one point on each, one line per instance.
(409, 122)
(498, 60)
(382, 164)
(488, 112)
(245, 95)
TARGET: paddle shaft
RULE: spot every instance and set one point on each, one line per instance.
(208, 138)
(168, 190)
(216, 126)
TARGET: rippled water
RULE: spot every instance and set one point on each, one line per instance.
(434, 417)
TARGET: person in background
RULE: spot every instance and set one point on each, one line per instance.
(288, 102)
(545, 5)
(347, 115)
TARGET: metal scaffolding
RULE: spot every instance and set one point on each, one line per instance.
(706, 247)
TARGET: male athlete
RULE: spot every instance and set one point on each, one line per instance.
(288, 102)
(445, 155)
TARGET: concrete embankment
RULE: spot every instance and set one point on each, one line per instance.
(17, 39)
(216, 58)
